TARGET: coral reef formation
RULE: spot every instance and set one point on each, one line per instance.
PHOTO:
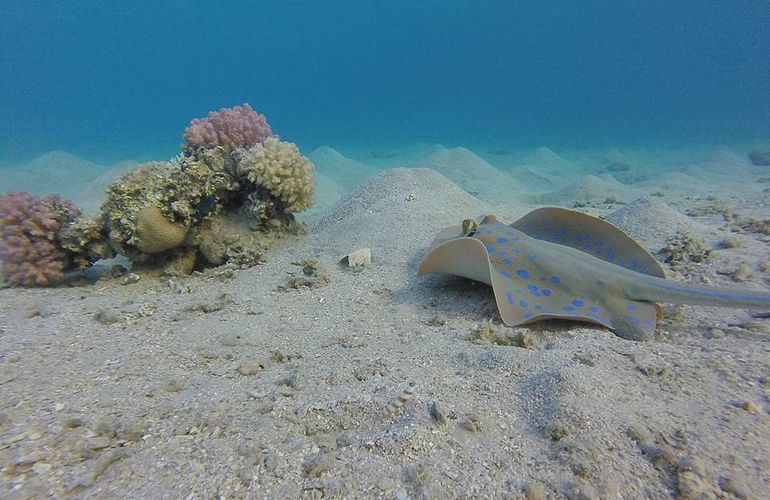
(229, 128)
(231, 193)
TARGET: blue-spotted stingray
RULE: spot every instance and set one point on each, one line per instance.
(559, 263)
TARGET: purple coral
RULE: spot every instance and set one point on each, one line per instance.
(29, 226)
(230, 128)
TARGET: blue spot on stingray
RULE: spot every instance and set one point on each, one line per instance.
(538, 307)
(578, 303)
(523, 303)
(555, 279)
(489, 231)
(632, 307)
(490, 249)
(533, 290)
(502, 240)
(502, 254)
(593, 309)
(633, 319)
(568, 308)
(529, 315)
(634, 264)
(523, 274)
(514, 250)
(509, 296)
(533, 258)
(507, 262)
(546, 292)
(506, 274)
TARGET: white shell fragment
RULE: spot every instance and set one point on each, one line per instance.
(358, 259)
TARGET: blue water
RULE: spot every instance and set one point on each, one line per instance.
(108, 80)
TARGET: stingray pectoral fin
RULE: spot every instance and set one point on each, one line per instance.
(513, 309)
(520, 301)
(523, 299)
(447, 234)
(591, 235)
(466, 257)
(632, 319)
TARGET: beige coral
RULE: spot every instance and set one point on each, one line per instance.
(155, 233)
(281, 169)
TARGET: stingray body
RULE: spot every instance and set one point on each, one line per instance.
(559, 263)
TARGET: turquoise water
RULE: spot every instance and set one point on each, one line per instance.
(108, 80)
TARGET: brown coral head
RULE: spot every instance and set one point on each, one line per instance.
(155, 233)
(229, 128)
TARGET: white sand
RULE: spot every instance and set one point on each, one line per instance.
(370, 386)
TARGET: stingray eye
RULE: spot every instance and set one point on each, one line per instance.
(469, 226)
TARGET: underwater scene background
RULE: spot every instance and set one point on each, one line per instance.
(359, 249)
(109, 80)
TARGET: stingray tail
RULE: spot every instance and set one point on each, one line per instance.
(661, 290)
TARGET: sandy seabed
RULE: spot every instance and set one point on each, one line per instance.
(381, 383)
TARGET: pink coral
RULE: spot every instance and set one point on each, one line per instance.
(29, 226)
(230, 128)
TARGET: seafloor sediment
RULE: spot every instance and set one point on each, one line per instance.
(276, 381)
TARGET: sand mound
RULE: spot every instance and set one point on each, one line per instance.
(589, 188)
(327, 194)
(547, 160)
(92, 196)
(673, 181)
(652, 222)
(727, 162)
(342, 170)
(543, 170)
(383, 158)
(474, 175)
(533, 179)
(395, 205)
(720, 167)
(54, 172)
(614, 156)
